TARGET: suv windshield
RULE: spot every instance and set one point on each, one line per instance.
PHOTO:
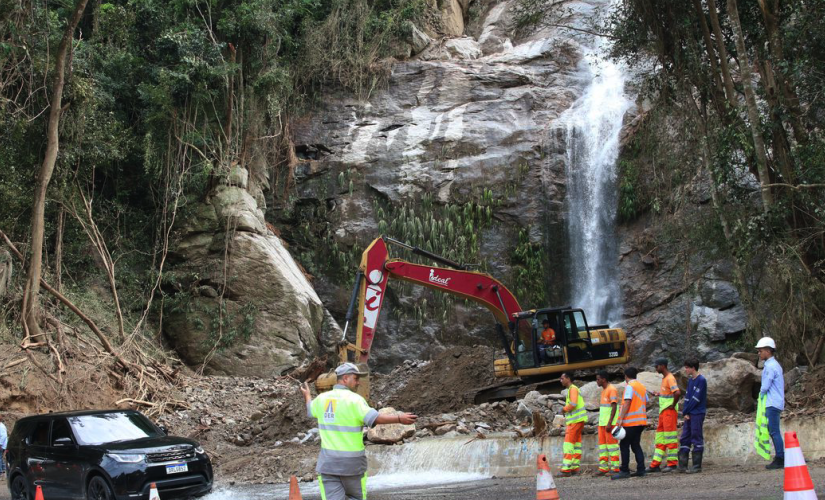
(112, 427)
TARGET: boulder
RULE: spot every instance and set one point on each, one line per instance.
(718, 294)
(463, 48)
(534, 400)
(390, 433)
(238, 176)
(417, 39)
(718, 324)
(523, 413)
(558, 421)
(238, 301)
(444, 429)
(452, 17)
(651, 380)
(730, 383)
(750, 357)
(592, 394)
(792, 377)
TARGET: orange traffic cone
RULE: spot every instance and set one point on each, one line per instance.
(39, 494)
(798, 484)
(153, 492)
(545, 486)
(294, 492)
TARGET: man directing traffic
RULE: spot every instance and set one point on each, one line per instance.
(342, 415)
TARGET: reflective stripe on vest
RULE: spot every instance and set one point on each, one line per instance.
(637, 414)
(341, 423)
(666, 402)
(579, 413)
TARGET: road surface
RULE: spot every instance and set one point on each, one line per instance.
(730, 483)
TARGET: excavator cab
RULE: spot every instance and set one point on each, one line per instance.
(577, 344)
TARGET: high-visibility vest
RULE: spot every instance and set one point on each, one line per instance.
(340, 414)
(667, 400)
(762, 439)
(579, 413)
(637, 413)
(606, 406)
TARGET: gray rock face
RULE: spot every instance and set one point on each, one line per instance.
(468, 117)
(271, 319)
(666, 314)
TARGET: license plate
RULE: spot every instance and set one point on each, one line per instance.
(176, 468)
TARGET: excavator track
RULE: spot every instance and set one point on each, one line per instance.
(512, 390)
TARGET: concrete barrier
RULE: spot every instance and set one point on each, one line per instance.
(502, 455)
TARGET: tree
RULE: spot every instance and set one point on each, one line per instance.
(31, 302)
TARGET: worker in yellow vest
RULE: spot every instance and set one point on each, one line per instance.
(608, 415)
(667, 437)
(575, 416)
(342, 415)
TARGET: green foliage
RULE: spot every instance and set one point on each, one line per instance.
(148, 102)
(630, 203)
(529, 261)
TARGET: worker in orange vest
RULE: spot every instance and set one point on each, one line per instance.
(608, 415)
(667, 437)
(634, 420)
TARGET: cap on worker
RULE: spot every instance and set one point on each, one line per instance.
(348, 369)
(766, 342)
(660, 361)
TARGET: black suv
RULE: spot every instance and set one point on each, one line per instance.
(102, 455)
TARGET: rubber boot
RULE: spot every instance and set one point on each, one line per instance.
(697, 463)
(684, 457)
(778, 463)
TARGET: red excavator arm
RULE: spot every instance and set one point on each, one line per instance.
(377, 269)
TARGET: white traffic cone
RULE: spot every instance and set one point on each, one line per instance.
(153, 492)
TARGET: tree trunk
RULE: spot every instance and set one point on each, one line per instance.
(730, 91)
(770, 15)
(31, 303)
(750, 102)
(717, 81)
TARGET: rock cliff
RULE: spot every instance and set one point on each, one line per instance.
(459, 153)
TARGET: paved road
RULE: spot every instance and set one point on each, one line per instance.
(734, 483)
(731, 483)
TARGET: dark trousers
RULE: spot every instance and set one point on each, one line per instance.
(692, 434)
(773, 415)
(632, 439)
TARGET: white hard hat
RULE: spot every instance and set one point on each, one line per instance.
(618, 433)
(766, 342)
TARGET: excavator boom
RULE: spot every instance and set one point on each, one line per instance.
(377, 269)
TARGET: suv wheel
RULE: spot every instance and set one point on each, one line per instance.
(99, 490)
(20, 488)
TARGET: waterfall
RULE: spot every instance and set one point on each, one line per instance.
(592, 126)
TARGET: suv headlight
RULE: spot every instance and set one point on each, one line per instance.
(200, 451)
(127, 458)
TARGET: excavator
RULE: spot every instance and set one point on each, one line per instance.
(528, 364)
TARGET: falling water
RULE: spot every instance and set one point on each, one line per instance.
(592, 132)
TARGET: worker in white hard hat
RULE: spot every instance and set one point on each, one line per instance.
(771, 404)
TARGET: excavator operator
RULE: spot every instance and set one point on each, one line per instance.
(547, 341)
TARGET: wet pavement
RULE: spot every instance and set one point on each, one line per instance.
(730, 483)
